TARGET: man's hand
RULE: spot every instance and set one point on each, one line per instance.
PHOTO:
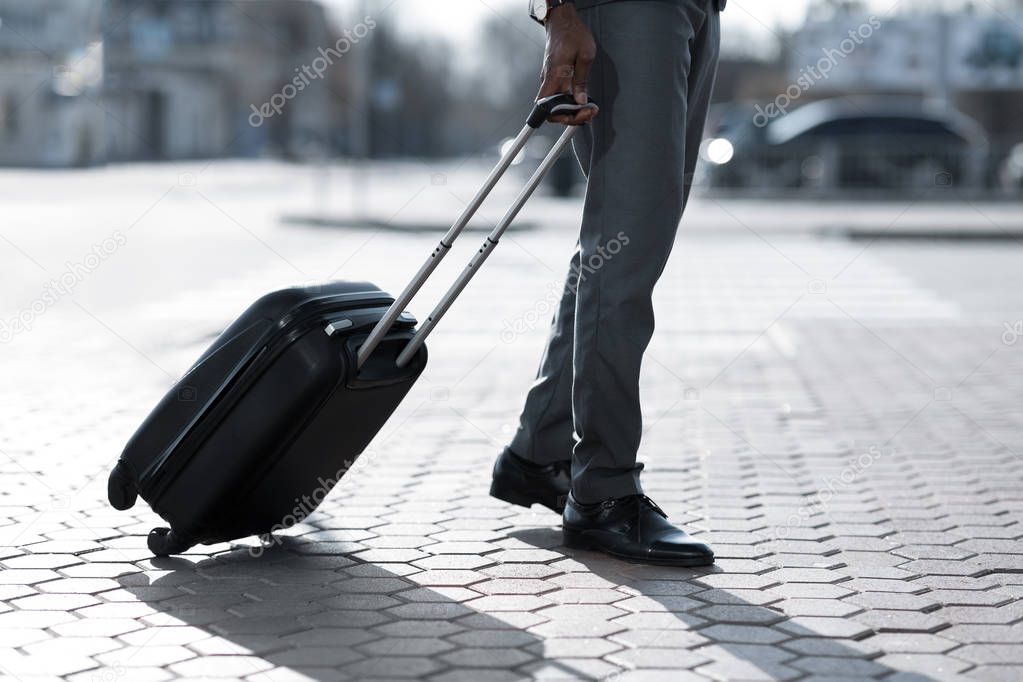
(567, 60)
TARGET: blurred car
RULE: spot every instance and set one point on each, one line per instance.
(844, 144)
(564, 175)
(1010, 174)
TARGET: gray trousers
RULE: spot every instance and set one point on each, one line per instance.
(652, 77)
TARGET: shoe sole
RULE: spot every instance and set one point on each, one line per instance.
(512, 496)
(575, 539)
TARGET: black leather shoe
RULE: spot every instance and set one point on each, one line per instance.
(632, 528)
(521, 482)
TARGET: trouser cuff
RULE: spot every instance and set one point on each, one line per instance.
(597, 485)
(538, 450)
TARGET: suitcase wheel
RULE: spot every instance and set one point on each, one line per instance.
(121, 490)
(164, 542)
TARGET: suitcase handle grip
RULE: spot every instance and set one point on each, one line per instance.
(563, 102)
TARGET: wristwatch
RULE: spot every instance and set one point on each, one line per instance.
(541, 9)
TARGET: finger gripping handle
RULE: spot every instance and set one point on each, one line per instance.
(562, 103)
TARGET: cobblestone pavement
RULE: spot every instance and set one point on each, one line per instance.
(840, 419)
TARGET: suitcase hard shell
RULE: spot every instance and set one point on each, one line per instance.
(259, 430)
(274, 413)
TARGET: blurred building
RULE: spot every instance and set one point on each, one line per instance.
(183, 78)
(51, 68)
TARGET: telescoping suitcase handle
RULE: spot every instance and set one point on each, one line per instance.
(555, 104)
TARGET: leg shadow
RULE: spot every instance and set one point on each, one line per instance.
(718, 623)
(289, 614)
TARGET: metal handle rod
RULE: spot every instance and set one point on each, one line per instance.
(489, 244)
(396, 309)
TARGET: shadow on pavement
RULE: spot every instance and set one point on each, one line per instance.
(681, 621)
(326, 617)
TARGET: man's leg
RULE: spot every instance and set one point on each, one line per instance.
(544, 435)
(652, 80)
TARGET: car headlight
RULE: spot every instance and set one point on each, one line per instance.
(506, 146)
(718, 151)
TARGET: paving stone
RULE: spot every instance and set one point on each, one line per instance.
(738, 669)
(969, 598)
(926, 664)
(223, 666)
(570, 628)
(1009, 613)
(987, 633)
(142, 674)
(483, 638)
(744, 634)
(815, 626)
(846, 667)
(669, 675)
(372, 585)
(261, 625)
(995, 673)
(42, 561)
(441, 578)
(659, 638)
(21, 637)
(816, 607)
(54, 602)
(487, 658)
(33, 619)
(524, 571)
(454, 562)
(476, 675)
(899, 602)
(902, 621)
(738, 597)
(730, 613)
(21, 666)
(144, 656)
(105, 627)
(26, 576)
(531, 586)
(658, 658)
(725, 580)
(910, 642)
(573, 647)
(811, 591)
(673, 604)
(836, 647)
(590, 596)
(396, 667)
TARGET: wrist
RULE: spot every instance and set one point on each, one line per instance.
(544, 10)
(565, 10)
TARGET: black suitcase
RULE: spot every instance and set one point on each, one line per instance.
(273, 414)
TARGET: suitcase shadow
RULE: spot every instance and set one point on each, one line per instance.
(326, 617)
(684, 614)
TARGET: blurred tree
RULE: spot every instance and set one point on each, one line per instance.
(410, 95)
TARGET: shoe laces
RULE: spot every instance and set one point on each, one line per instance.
(641, 501)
